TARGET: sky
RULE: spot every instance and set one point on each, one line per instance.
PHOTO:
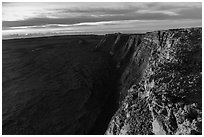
(33, 19)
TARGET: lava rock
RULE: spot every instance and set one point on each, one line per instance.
(165, 71)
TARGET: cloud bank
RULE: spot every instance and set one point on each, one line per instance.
(98, 17)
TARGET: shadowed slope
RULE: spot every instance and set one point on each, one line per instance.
(55, 85)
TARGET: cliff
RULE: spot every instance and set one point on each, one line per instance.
(117, 84)
(161, 82)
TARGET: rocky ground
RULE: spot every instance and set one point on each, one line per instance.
(162, 86)
(118, 84)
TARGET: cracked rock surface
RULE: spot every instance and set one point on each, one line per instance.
(162, 86)
(119, 84)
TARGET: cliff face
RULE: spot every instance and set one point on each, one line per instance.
(161, 82)
(133, 83)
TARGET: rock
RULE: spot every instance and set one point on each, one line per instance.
(166, 69)
(155, 80)
(157, 128)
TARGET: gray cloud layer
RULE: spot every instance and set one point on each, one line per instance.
(87, 12)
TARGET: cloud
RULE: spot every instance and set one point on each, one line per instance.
(66, 25)
(100, 16)
(23, 11)
(124, 26)
(193, 13)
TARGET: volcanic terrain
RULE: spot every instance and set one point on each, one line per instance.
(114, 84)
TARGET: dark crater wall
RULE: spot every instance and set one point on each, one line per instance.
(57, 85)
(116, 84)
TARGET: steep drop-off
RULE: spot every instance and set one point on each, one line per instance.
(56, 85)
(161, 82)
(120, 84)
